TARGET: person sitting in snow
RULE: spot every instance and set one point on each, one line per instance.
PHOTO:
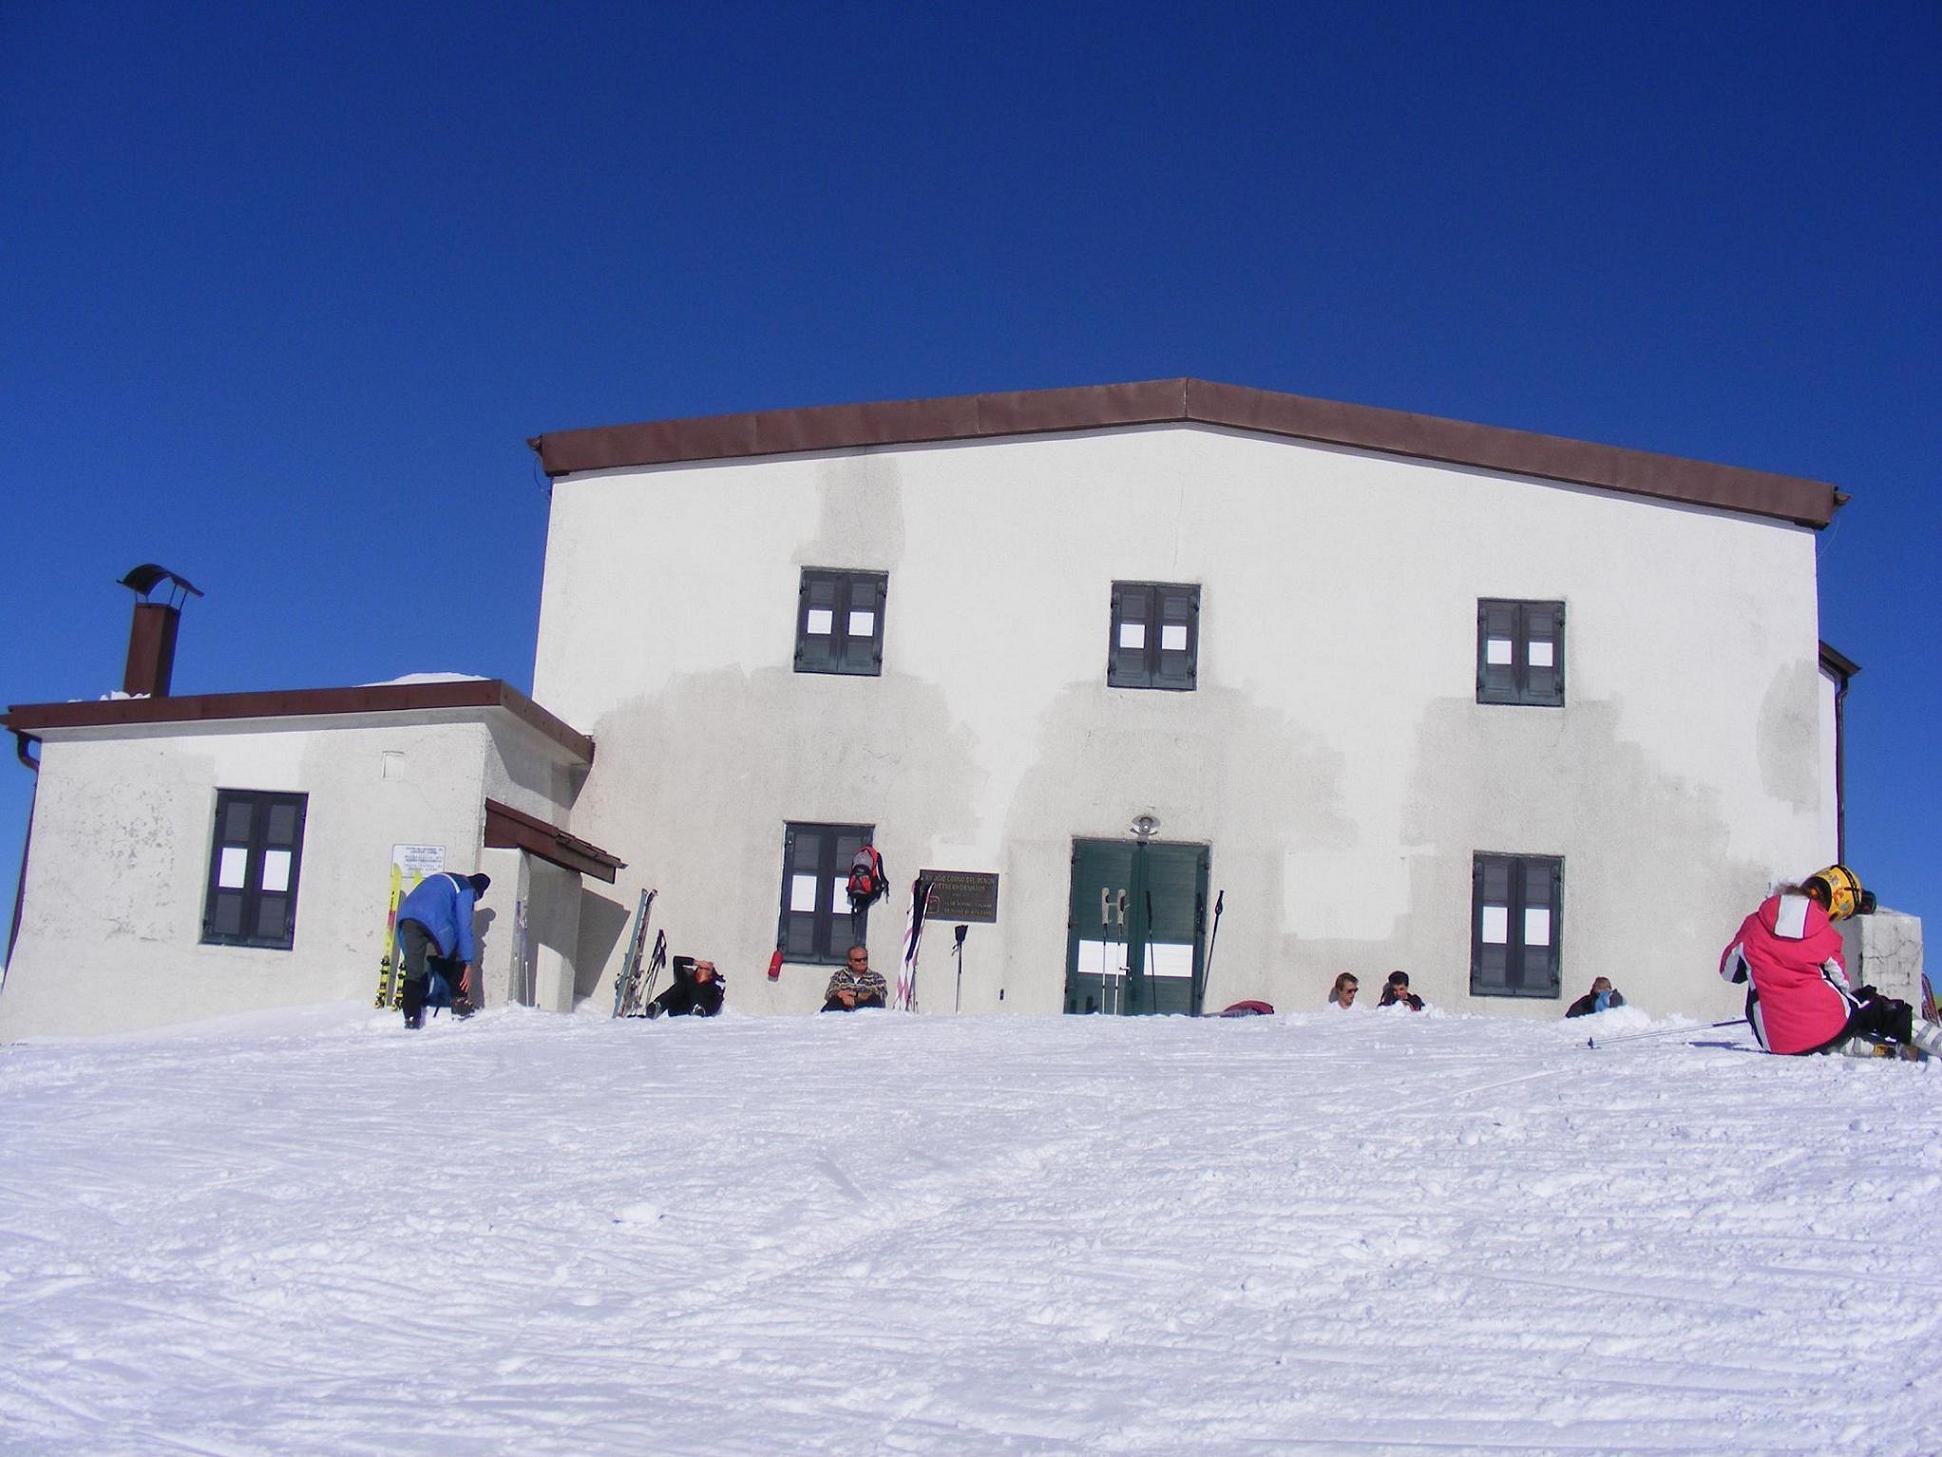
(1342, 994)
(436, 946)
(1602, 997)
(697, 991)
(1396, 993)
(855, 986)
(1799, 1000)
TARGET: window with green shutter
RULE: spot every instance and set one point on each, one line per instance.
(839, 622)
(1516, 925)
(254, 857)
(817, 925)
(1155, 639)
(1520, 652)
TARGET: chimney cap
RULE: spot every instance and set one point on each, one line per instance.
(144, 579)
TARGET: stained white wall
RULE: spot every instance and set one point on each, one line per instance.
(1333, 756)
(112, 920)
(1827, 700)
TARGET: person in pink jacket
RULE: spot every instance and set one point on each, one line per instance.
(1799, 1000)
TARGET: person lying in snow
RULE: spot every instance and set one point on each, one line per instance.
(1799, 1000)
(855, 986)
(697, 991)
(1396, 993)
(1602, 997)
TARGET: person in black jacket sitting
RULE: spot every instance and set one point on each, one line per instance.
(1396, 989)
(697, 991)
(1601, 996)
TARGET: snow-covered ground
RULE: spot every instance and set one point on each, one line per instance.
(1322, 1233)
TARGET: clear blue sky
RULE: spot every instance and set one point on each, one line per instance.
(284, 288)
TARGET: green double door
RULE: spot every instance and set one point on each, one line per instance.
(1133, 938)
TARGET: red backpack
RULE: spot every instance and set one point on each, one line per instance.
(867, 880)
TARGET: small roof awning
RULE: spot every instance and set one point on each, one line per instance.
(509, 829)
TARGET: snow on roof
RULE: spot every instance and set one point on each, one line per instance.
(410, 678)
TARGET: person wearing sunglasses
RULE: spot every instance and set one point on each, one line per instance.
(855, 986)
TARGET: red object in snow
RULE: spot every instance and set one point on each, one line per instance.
(775, 965)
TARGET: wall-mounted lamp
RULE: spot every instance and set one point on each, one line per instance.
(1144, 827)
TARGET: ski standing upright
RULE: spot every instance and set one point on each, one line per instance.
(920, 892)
(628, 979)
(389, 980)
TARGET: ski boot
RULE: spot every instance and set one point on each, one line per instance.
(414, 1003)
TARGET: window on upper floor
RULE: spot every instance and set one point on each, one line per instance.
(254, 856)
(817, 925)
(1155, 636)
(1520, 652)
(839, 622)
(1516, 918)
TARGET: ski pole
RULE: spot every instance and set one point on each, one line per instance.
(958, 951)
(1207, 966)
(1121, 982)
(1663, 1032)
(1151, 994)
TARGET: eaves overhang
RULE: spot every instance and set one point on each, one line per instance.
(286, 707)
(1188, 401)
(510, 829)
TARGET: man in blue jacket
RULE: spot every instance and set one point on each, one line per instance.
(435, 934)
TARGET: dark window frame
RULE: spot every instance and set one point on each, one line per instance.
(1529, 882)
(1523, 621)
(256, 840)
(840, 592)
(819, 937)
(1154, 605)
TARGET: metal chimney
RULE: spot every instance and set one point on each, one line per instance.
(151, 637)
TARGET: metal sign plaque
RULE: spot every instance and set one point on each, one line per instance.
(961, 895)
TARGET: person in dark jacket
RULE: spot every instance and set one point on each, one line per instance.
(436, 946)
(697, 991)
(1602, 997)
(1396, 992)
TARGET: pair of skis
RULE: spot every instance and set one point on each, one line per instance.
(920, 894)
(391, 970)
(634, 982)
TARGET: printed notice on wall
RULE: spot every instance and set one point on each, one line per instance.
(418, 861)
(1496, 925)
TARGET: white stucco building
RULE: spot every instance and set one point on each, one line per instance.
(216, 853)
(1506, 711)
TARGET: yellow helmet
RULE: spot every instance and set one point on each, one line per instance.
(1839, 890)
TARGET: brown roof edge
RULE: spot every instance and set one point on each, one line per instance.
(1837, 662)
(510, 829)
(299, 703)
(1188, 401)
